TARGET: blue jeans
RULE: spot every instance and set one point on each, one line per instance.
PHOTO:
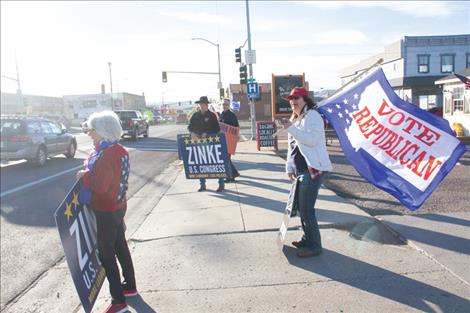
(307, 196)
(202, 181)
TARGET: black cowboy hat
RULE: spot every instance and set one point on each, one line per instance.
(203, 99)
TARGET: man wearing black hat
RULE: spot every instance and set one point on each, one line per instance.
(202, 123)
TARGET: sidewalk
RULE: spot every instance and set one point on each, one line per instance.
(209, 252)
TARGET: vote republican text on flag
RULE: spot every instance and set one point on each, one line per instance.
(393, 144)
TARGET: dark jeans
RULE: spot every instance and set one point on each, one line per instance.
(232, 173)
(307, 196)
(202, 181)
(112, 243)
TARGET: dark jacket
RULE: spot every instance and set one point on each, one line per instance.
(204, 123)
(228, 117)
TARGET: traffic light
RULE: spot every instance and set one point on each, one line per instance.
(164, 77)
(243, 74)
(221, 93)
(238, 55)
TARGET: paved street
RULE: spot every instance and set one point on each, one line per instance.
(30, 244)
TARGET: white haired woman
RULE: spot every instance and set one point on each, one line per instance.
(105, 177)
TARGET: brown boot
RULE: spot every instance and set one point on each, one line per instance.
(306, 253)
(298, 244)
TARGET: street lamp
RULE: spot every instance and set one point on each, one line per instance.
(219, 85)
(18, 91)
(111, 86)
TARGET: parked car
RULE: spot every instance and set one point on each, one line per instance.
(133, 123)
(168, 119)
(158, 119)
(34, 139)
(182, 118)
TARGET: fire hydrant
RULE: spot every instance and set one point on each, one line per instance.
(457, 128)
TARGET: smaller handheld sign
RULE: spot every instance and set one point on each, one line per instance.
(231, 135)
(204, 157)
(77, 228)
(266, 134)
(290, 211)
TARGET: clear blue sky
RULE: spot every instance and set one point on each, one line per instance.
(64, 47)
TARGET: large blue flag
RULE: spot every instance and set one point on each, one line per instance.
(393, 144)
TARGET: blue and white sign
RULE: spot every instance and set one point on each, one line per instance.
(204, 157)
(252, 89)
(180, 143)
(235, 105)
(77, 229)
(393, 144)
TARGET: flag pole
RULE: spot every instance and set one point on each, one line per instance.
(355, 78)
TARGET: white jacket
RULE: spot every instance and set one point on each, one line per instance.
(309, 134)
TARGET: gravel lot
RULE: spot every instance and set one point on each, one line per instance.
(452, 195)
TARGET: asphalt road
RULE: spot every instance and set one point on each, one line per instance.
(452, 195)
(30, 242)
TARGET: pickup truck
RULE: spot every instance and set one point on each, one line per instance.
(133, 123)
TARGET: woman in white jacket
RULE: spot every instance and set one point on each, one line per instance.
(307, 161)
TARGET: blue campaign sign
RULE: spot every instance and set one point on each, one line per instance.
(77, 229)
(205, 157)
(179, 142)
(252, 89)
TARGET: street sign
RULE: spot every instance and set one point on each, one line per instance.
(250, 56)
(252, 90)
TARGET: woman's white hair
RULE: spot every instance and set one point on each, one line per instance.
(106, 124)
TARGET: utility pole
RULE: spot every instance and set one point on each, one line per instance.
(250, 69)
(111, 86)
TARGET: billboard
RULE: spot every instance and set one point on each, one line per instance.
(281, 87)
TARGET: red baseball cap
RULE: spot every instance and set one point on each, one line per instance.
(297, 92)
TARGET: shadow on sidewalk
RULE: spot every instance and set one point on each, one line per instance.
(379, 281)
(139, 305)
(268, 167)
(433, 238)
(444, 219)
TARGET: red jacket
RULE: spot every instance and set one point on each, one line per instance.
(108, 179)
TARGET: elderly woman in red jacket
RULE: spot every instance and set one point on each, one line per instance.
(104, 181)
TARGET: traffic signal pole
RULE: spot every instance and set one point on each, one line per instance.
(250, 68)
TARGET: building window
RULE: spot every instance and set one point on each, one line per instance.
(447, 105)
(423, 63)
(468, 61)
(458, 99)
(466, 104)
(447, 63)
(427, 102)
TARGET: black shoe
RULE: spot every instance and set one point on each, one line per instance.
(220, 189)
(202, 188)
